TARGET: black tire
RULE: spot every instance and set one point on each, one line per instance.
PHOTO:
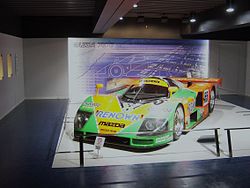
(179, 113)
(212, 100)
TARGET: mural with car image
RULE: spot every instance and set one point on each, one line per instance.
(136, 93)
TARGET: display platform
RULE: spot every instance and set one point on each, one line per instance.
(195, 145)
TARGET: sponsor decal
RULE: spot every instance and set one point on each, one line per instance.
(111, 124)
(162, 139)
(187, 120)
(202, 110)
(118, 115)
(150, 81)
(191, 106)
(108, 130)
(90, 104)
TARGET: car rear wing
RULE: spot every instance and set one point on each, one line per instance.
(200, 80)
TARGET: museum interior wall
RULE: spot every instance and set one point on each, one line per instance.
(47, 58)
(248, 70)
(46, 68)
(12, 86)
(149, 28)
(228, 61)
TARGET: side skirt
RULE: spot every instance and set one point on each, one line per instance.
(190, 126)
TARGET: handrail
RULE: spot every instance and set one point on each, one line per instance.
(81, 145)
(229, 140)
(237, 128)
(208, 129)
(216, 138)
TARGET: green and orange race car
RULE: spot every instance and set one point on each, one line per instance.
(148, 113)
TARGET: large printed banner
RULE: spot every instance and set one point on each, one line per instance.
(93, 61)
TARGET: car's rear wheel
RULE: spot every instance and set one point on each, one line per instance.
(178, 122)
(212, 100)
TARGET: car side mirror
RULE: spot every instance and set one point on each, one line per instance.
(172, 90)
(97, 88)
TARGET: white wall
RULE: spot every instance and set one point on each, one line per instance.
(11, 89)
(227, 59)
(45, 62)
(248, 70)
(46, 68)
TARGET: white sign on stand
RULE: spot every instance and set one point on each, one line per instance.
(99, 142)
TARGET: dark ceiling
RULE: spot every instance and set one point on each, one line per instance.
(83, 18)
(227, 34)
(149, 8)
(173, 8)
(50, 7)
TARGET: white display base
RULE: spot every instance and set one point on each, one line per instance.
(225, 115)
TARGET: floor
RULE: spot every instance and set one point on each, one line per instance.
(196, 145)
(29, 136)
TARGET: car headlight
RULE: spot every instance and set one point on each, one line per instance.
(81, 118)
(151, 126)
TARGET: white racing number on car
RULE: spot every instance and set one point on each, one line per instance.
(205, 97)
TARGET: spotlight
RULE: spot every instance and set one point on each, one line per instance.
(164, 19)
(192, 20)
(140, 19)
(135, 5)
(121, 18)
(185, 20)
(192, 17)
(230, 7)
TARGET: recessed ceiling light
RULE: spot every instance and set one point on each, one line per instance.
(164, 19)
(140, 19)
(192, 17)
(192, 20)
(230, 6)
(121, 18)
(185, 20)
(230, 9)
(135, 5)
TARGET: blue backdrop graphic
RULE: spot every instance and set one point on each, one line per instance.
(99, 60)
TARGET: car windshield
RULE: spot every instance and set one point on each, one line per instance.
(146, 91)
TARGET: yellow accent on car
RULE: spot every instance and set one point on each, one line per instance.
(153, 81)
(110, 117)
(172, 90)
(98, 87)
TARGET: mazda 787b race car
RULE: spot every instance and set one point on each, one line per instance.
(148, 113)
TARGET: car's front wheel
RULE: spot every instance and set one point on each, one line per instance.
(178, 122)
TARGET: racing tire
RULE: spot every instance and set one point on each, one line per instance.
(212, 100)
(179, 121)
